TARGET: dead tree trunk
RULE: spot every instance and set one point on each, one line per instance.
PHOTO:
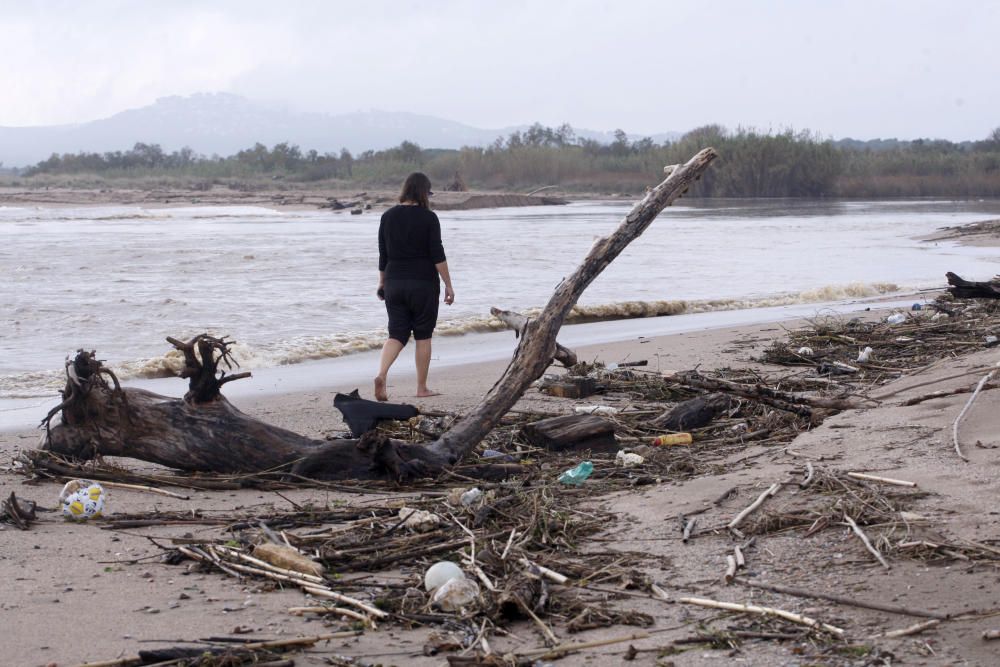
(538, 340)
(967, 289)
(204, 432)
(518, 322)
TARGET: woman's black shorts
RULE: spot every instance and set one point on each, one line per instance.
(413, 307)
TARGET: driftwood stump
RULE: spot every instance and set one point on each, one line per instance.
(204, 432)
(967, 289)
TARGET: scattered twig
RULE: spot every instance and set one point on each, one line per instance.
(884, 480)
(738, 519)
(954, 428)
(864, 538)
(765, 611)
(911, 630)
(878, 606)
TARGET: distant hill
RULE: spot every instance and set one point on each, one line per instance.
(221, 123)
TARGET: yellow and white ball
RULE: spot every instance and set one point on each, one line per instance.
(82, 499)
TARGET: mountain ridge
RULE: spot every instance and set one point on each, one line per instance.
(224, 123)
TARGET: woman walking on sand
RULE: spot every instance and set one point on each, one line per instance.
(410, 259)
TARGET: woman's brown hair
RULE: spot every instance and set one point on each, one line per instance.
(416, 188)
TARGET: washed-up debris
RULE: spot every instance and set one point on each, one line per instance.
(628, 459)
(420, 521)
(17, 511)
(82, 499)
(578, 475)
(440, 573)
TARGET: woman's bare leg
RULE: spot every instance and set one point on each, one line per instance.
(390, 351)
(422, 356)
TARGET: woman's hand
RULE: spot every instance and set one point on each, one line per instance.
(380, 292)
(449, 295)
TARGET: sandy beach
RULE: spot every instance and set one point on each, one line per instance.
(77, 593)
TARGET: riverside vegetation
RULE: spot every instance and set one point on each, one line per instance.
(753, 164)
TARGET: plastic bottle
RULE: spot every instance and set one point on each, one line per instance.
(576, 476)
(897, 318)
(672, 439)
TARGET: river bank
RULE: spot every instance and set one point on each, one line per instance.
(292, 197)
(57, 568)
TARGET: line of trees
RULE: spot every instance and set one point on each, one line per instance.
(752, 164)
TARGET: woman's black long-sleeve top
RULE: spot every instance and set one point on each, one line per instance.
(409, 243)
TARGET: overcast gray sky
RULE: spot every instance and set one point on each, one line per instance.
(866, 69)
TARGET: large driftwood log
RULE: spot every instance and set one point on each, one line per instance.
(967, 289)
(572, 432)
(204, 432)
(694, 413)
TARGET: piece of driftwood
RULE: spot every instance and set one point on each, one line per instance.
(694, 413)
(18, 511)
(765, 611)
(883, 480)
(800, 404)
(967, 289)
(570, 386)
(518, 322)
(965, 410)
(572, 432)
(730, 569)
(942, 394)
(864, 539)
(752, 507)
(839, 599)
(915, 629)
(204, 432)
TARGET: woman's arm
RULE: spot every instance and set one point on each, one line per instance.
(449, 293)
(383, 258)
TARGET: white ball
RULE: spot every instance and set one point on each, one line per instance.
(82, 499)
(440, 573)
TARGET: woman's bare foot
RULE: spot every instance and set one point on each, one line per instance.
(425, 393)
(380, 393)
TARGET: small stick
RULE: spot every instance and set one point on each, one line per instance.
(740, 561)
(550, 637)
(476, 570)
(773, 489)
(268, 566)
(140, 487)
(688, 527)
(562, 649)
(864, 538)
(280, 643)
(199, 555)
(730, 569)
(765, 611)
(884, 480)
(882, 397)
(954, 428)
(911, 630)
(877, 606)
(551, 574)
(326, 593)
(810, 473)
(340, 611)
(510, 541)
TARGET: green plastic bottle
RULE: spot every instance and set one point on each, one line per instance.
(576, 476)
